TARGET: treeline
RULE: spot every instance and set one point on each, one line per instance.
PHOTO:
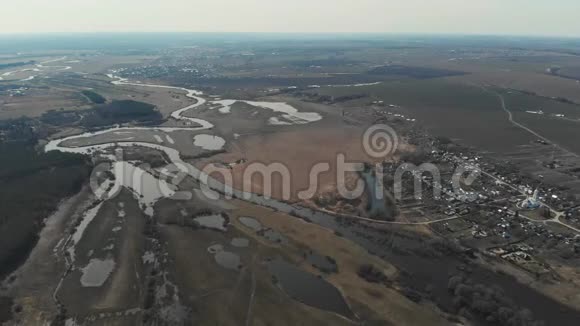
(121, 112)
(128, 109)
(414, 72)
(116, 112)
(18, 129)
(94, 97)
(16, 64)
(20, 158)
(488, 303)
(5, 309)
(32, 184)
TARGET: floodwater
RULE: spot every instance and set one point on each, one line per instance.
(240, 242)
(216, 222)
(324, 264)
(228, 260)
(277, 122)
(377, 201)
(289, 113)
(308, 288)
(88, 217)
(96, 273)
(274, 236)
(271, 235)
(209, 142)
(225, 106)
(146, 187)
(225, 258)
(251, 223)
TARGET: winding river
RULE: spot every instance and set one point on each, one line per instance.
(172, 154)
(40, 67)
(207, 182)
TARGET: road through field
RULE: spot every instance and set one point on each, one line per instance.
(521, 126)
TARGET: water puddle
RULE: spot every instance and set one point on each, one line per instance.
(88, 217)
(308, 288)
(240, 242)
(96, 273)
(324, 264)
(216, 222)
(209, 142)
(273, 236)
(251, 223)
(378, 204)
(228, 260)
(225, 258)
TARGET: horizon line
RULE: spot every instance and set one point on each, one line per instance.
(315, 33)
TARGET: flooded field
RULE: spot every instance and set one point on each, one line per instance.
(308, 288)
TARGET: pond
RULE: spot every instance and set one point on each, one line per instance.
(309, 288)
(226, 259)
(216, 222)
(96, 273)
(324, 264)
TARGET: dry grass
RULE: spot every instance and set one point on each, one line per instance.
(299, 151)
(385, 303)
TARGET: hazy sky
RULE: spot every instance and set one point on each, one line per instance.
(535, 17)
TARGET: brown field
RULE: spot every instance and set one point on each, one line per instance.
(39, 100)
(299, 150)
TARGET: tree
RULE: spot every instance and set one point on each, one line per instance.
(454, 281)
